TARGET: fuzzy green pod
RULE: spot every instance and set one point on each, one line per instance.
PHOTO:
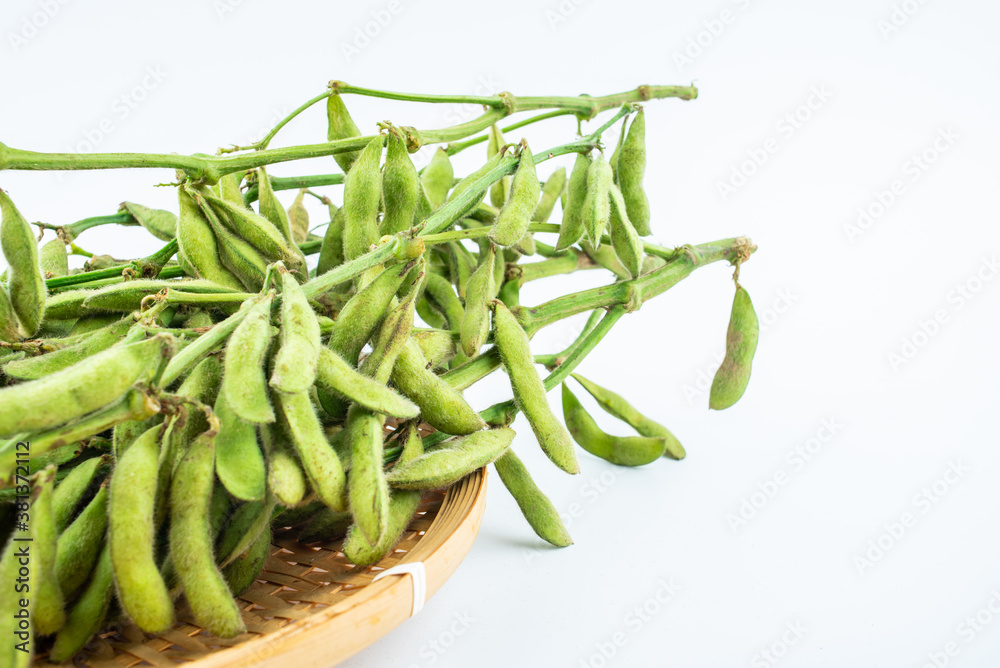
(49, 606)
(367, 489)
(437, 178)
(244, 382)
(741, 343)
(24, 275)
(362, 194)
(299, 341)
(437, 346)
(320, 461)
(80, 544)
(440, 293)
(142, 591)
(529, 391)
(617, 405)
(239, 461)
(335, 374)
(127, 297)
(229, 188)
(285, 478)
(88, 613)
(597, 203)
(441, 405)
(450, 463)
(551, 192)
(339, 126)
(10, 328)
(620, 450)
(298, 218)
(461, 265)
(331, 252)
(325, 525)
(271, 209)
(238, 255)
(482, 288)
(624, 239)
(400, 187)
(515, 216)
(265, 237)
(67, 305)
(392, 336)
(403, 504)
(363, 312)
(83, 388)
(160, 223)
(470, 181)
(535, 506)
(191, 543)
(630, 167)
(71, 489)
(53, 259)
(197, 243)
(500, 190)
(33, 368)
(242, 572)
(243, 526)
(571, 229)
(202, 384)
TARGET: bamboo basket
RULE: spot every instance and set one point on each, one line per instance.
(310, 607)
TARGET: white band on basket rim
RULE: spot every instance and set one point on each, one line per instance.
(416, 570)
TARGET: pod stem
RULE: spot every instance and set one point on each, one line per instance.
(151, 266)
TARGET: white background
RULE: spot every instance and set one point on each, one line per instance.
(836, 305)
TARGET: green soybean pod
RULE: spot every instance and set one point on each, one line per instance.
(392, 336)
(325, 525)
(71, 489)
(403, 504)
(33, 368)
(571, 229)
(271, 209)
(80, 544)
(160, 223)
(53, 259)
(68, 305)
(339, 126)
(439, 291)
(551, 192)
(238, 255)
(741, 343)
(515, 216)
(320, 461)
(482, 288)
(229, 188)
(616, 405)
(363, 312)
(197, 244)
(362, 194)
(127, 297)
(535, 506)
(437, 346)
(244, 382)
(191, 548)
(83, 388)
(336, 375)
(49, 607)
(367, 489)
(597, 204)
(500, 190)
(265, 237)
(529, 392)
(10, 328)
(239, 461)
(620, 450)
(630, 168)
(441, 405)
(331, 252)
(624, 239)
(142, 592)
(437, 178)
(449, 464)
(298, 217)
(285, 478)
(298, 341)
(242, 572)
(472, 181)
(246, 523)
(88, 613)
(24, 275)
(400, 187)
(462, 264)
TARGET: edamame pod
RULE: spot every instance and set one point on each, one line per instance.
(571, 229)
(437, 178)
(49, 612)
(271, 209)
(53, 259)
(529, 392)
(449, 464)
(127, 297)
(244, 382)
(515, 216)
(400, 187)
(10, 329)
(33, 368)
(142, 591)
(439, 292)
(239, 462)
(197, 243)
(19, 649)
(500, 190)
(24, 275)
(321, 464)
(325, 525)
(340, 125)
(229, 188)
(741, 343)
(624, 239)
(80, 544)
(70, 490)
(403, 504)
(551, 192)
(630, 168)
(337, 375)
(298, 218)
(88, 613)
(243, 571)
(482, 288)
(597, 203)
(367, 489)
(363, 312)
(191, 548)
(362, 194)
(285, 478)
(246, 523)
(535, 506)
(331, 253)
(617, 405)
(393, 335)
(437, 346)
(298, 340)
(620, 450)
(265, 237)
(160, 223)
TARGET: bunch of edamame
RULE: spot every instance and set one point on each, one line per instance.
(159, 416)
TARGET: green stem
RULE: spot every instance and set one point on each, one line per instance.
(262, 144)
(152, 264)
(458, 147)
(552, 360)
(349, 270)
(293, 183)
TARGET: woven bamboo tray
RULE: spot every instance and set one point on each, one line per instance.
(310, 607)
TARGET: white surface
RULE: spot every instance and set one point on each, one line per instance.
(836, 309)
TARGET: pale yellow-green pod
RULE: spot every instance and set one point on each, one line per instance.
(32, 368)
(400, 187)
(298, 218)
(624, 239)
(515, 216)
(79, 545)
(19, 648)
(53, 259)
(535, 506)
(265, 237)
(571, 229)
(24, 274)
(320, 461)
(362, 194)
(597, 203)
(49, 608)
(403, 504)
(239, 462)
(731, 379)
(551, 192)
(160, 223)
(437, 178)
(367, 489)
(229, 188)
(271, 209)
(245, 382)
(481, 289)
(630, 167)
(335, 374)
(340, 125)
(243, 571)
(331, 253)
(620, 450)
(88, 613)
(500, 190)
(285, 478)
(453, 461)
(295, 363)
(439, 347)
(198, 245)
(10, 328)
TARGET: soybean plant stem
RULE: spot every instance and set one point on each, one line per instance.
(262, 144)
(151, 265)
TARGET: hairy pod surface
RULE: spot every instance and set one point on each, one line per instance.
(437, 178)
(551, 192)
(620, 450)
(80, 544)
(400, 187)
(320, 461)
(482, 288)
(160, 223)
(239, 461)
(197, 243)
(535, 506)
(298, 218)
(515, 216)
(624, 239)
(449, 464)
(571, 229)
(260, 232)
(53, 259)
(362, 194)
(331, 253)
(285, 478)
(32, 368)
(24, 275)
(245, 382)
(10, 327)
(244, 569)
(363, 312)
(597, 203)
(299, 341)
(88, 613)
(49, 611)
(630, 167)
(366, 485)
(71, 489)
(337, 375)
(271, 209)
(437, 346)
(731, 379)
(340, 125)
(500, 190)
(403, 504)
